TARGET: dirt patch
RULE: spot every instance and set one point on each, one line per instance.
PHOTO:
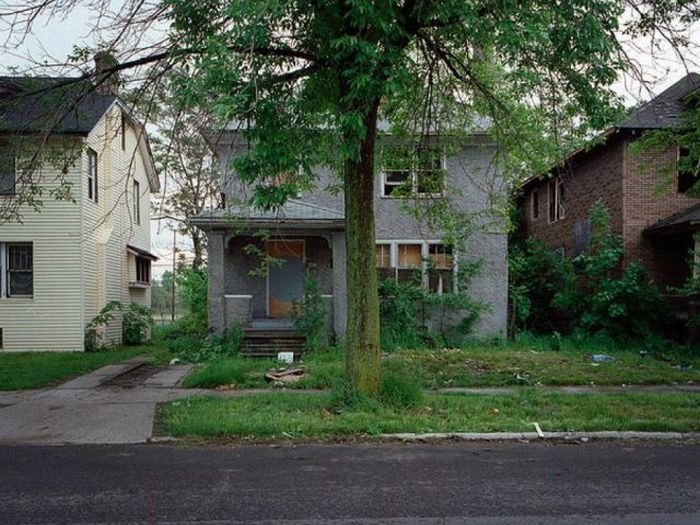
(134, 378)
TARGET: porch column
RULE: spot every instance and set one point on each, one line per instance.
(339, 285)
(215, 305)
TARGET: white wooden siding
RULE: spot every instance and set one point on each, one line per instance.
(80, 257)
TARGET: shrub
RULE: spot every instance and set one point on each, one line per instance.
(213, 348)
(398, 312)
(136, 324)
(622, 303)
(309, 315)
(192, 289)
(92, 340)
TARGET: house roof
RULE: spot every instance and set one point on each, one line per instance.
(50, 105)
(63, 105)
(292, 214)
(662, 111)
(686, 220)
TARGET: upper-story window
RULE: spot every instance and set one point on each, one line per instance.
(557, 200)
(122, 130)
(137, 202)
(7, 171)
(687, 176)
(413, 172)
(92, 175)
(535, 204)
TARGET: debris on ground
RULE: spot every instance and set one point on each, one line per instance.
(174, 361)
(284, 376)
(602, 358)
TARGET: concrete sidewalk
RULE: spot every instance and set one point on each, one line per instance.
(85, 411)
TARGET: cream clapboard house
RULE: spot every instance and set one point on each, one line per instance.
(89, 242)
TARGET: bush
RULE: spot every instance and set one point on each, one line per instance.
(136, 324)
(309, 315)
(213, 348)
(621, 303)
(398, 312)
(192, 289)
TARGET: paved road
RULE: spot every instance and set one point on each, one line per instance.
(523, 484)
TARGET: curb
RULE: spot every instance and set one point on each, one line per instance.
(544, 436)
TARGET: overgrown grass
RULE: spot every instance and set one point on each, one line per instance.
(529, 361)
(26, 370)
(283, 414)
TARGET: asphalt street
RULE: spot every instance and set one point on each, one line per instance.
(477, 483)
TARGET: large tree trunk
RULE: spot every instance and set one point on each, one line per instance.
(362, 335)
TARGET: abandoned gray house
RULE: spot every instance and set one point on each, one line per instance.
(308, 234)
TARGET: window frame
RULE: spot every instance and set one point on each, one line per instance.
(136, 197)
(425, 262)
(6, 271)
(143, 265)
(535, 204)
(412, 175)
(556, 200)
(683, 185)
(92, 176)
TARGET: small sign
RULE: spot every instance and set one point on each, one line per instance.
(285, 357)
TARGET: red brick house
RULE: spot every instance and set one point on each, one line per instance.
(644, 192)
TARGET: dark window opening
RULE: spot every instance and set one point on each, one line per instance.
(137, 202)
(143, 270)
(687, 176)
(123, 130)
(535, 204)
(92, 175)
(20, 270)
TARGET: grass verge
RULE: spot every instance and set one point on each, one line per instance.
(27, 370)
(289, 415)
(507, 365)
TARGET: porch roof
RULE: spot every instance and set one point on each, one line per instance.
(294, 214)
(687, 220)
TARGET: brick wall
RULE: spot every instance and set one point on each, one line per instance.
(649, 195)
(596, 175)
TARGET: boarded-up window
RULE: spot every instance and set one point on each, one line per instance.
(409, 256)
(383, 255)
(582, 237)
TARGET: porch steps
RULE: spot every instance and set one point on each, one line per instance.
(269, 342)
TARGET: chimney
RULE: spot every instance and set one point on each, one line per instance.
(107, 82)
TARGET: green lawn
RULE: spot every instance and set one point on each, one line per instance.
(507, 365)
(26, 370)
(318, 416)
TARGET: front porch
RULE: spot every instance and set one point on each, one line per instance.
(257, 265)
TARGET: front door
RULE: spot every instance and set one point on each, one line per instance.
(285, 277)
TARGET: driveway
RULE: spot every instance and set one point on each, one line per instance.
(114, 404)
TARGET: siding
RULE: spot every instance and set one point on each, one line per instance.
(110, 226)
(52, 318)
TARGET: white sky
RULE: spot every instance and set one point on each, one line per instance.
(52, 40)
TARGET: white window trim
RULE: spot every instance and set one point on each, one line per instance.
(559, 210)
(425, 254)
(4, 272)
(413, 176)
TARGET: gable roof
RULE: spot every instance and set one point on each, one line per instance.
(663, 110)
(50, 105)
